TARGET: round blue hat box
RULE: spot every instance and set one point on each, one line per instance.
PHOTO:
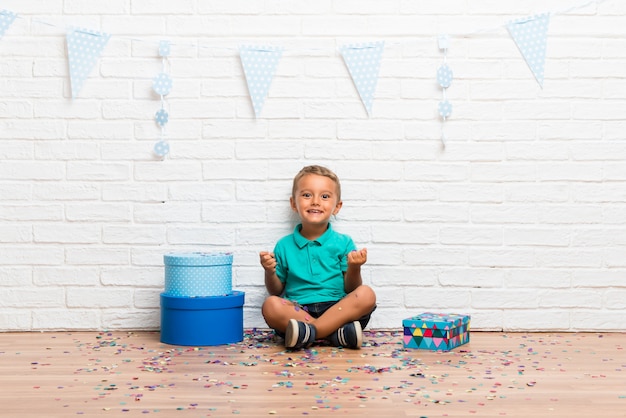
(210, 320)
(198, 274)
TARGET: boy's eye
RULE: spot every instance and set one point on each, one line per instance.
(306, 195)
(325, 196)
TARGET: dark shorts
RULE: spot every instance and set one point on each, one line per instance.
(317, 309)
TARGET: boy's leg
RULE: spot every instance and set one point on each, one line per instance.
(360, 302)
(278, 311)
(353, 306)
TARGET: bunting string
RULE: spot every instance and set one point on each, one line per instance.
(236, 48)
(552, 13)
(259, 62)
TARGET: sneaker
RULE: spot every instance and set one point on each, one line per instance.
(348, 336)
(299, 334)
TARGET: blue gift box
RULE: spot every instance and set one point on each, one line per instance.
(436, 331)
(198, 274)
(211, 320)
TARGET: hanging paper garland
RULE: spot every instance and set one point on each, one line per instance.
(444, 76)
(161, 148)
(444, 79)
(162, 85)
(445, 109)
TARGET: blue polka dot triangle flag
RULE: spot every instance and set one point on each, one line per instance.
(259, 65)
(363, 62)
(530, 35)
(6, 20)
(83, 50)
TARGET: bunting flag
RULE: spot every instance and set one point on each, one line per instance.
(6, 19)
(83, 50)
(259, 65)
(531, 37)
(363, 62)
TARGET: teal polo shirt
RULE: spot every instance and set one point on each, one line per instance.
(313, 271)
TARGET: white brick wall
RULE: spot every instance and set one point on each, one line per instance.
(520, 221)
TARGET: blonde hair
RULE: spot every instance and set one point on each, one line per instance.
(320, 171)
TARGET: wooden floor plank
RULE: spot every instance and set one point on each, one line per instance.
(120, 374)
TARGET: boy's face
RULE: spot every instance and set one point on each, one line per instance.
(315, 199)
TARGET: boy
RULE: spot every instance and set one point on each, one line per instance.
(317, 271)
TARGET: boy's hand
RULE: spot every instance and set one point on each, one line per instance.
(357, 257)
(268, 261)
(272, 283)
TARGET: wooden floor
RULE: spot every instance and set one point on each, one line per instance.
(121, 374)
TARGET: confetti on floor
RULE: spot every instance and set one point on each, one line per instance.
(120, 374)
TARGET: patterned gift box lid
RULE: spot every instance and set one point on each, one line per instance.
(436, 320)
(198, 259)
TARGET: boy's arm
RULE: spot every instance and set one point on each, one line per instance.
(272, 283)
(352, 278)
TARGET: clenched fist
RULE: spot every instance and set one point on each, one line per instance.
(357, 257)
(268, 261)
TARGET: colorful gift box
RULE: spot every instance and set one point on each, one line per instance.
(198, 274)
(212, 320)
(434, 331)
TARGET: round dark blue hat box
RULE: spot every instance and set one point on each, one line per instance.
(201, 321)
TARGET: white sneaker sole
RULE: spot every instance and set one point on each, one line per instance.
(292, 334)
(359, 336)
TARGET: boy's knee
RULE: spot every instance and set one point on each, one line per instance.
(366, 295)
(271, 302)
(269, 305)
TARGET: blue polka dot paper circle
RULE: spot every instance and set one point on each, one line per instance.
(162, 84)
(445, 109)
(161, 117)
(444, 76)
(162, 148)
(164, 49)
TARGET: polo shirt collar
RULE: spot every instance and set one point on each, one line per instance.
(302, 242)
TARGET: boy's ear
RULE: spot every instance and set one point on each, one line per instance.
(338, 207)
(292, 203)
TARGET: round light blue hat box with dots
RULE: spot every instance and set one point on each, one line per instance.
(198, 306)
(198, 274)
